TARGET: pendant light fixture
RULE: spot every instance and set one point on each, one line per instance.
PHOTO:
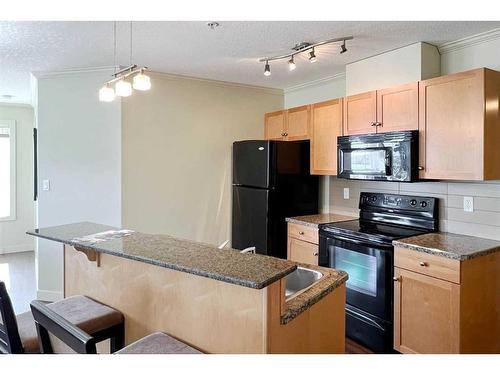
(300, 48)
(121, 79)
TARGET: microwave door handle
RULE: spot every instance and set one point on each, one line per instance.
(388, 163)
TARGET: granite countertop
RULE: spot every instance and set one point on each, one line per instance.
(330, 281)
(315, 220)
(249, 270)
(450, 245)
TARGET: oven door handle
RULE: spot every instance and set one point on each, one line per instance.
(358, 242)
(364, 318)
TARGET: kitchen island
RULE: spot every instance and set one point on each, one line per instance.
(219, 301)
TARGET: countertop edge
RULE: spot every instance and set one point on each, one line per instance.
(443, 253)
(301, 222)
(193, 271)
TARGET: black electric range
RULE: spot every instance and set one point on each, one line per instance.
(364, 249)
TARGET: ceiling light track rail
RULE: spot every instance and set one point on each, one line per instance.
(303, 47)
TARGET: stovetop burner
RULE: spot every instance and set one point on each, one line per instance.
(371, 231)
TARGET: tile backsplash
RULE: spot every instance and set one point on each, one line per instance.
(484, 221)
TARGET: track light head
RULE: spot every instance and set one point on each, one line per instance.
(312, 56)
(343, 48)
(267, 69)
(291, 64)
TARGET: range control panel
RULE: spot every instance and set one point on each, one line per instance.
(395, 201)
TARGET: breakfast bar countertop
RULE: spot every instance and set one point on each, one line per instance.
(315, 220)
(450, 245)
(249, 270)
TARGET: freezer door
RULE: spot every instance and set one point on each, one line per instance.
(250, 220)
(252, 162)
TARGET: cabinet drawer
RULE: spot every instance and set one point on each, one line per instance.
(303, 232)
(302, 251)
(427, 264)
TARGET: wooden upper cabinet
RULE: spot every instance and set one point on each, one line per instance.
(360, 113)
(298, 123)
(397, 108)
(274, 125)
(460, 126)
(326, 126)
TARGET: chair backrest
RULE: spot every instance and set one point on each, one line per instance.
(10, 342)
(47, 321)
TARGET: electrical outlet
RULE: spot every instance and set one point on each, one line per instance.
(469, 204)
(346, 193)
(46, 185)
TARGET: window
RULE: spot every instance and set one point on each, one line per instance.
(7, 170)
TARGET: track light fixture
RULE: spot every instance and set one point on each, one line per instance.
(267, 69)
(303, 48)
(121, 79)
(312, 56)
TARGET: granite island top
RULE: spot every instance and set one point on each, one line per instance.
(315, 220)
(450, 245)
(249, 270)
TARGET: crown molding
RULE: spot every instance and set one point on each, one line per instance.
(469, 41)
(64, 72)
(321, 81)
(170, 76)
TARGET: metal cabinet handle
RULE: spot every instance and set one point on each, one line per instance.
(395, 278)
(423, 264)
(315, 254)
(420, 168)
(374, 124)
(301, 233)
(285, 134)
(378, 124)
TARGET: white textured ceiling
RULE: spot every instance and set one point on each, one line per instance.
(228, 53)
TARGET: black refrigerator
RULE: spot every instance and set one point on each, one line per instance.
(271, 181)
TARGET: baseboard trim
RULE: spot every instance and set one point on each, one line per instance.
(17, 249)
(49, 295)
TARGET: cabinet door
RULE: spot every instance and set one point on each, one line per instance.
(360, 113)
(397, 108)
(302, 251)
(298, 123)
(451, 110)
(426, 314)
(326, 126)
(274, 125)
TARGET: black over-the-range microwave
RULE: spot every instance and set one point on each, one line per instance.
(391, 156)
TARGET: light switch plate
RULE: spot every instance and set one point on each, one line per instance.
(46, 185)
(346, 193)
(469, 204)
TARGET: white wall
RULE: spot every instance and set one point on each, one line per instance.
(177, 141)
(316, 91)
(412, 63)
(13, 236)
(80, 153)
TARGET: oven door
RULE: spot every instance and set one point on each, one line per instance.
(370, 269)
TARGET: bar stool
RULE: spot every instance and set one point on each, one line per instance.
(48, 321)
(18, 334)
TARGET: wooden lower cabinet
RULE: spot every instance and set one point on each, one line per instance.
(426, 314)
(433, 315)
(302, 244)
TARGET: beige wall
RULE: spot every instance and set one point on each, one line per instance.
(13, 236)
(176, 153)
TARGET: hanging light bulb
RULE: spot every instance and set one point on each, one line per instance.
(142, 82)
(267, 69)
(123, 88)
(291, 64)
(312, 56)
(106, 94)
(343, 48)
